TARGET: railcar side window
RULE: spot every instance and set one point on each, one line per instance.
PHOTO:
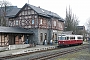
(67, 38)
(72, 37)
(79, 37)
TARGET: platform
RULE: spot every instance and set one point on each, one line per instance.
(26, 50)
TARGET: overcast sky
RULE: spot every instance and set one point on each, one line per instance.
(81, 8)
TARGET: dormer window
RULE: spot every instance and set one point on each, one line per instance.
(42, 10)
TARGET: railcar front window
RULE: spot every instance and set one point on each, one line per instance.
(62, 38)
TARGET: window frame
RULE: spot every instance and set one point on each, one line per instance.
(16, 22)
(54, 23)
(41, 37)
(33, 21)
(41, 21)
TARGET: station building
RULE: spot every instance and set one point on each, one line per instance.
(32, 23)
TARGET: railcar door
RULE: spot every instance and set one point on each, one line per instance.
(79, 39)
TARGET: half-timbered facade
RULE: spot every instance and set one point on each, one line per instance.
(45, 25)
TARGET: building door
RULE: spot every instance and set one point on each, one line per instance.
(41, 37)
(11, 39)
(55, 38)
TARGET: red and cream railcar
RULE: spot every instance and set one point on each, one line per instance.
(70, 40)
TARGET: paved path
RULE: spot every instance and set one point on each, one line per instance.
(26, 50)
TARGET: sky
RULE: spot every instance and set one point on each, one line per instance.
(81, 8)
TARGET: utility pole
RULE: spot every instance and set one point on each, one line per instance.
(89, 45)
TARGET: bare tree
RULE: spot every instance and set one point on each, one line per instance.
(88, 25)
(71, 21)
(3, 11)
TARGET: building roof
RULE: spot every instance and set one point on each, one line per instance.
(13, 12)
(81, 27)
(14, 30)
(44, 12)
(8, 9)
(39, 10)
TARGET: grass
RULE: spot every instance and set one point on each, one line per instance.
(75, 56)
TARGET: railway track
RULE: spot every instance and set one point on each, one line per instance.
(60, 53)
(46, 56)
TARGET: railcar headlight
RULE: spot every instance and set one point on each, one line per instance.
(63, 42)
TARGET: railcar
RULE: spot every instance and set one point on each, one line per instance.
(67, 40)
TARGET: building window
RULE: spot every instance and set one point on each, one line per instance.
(20, 17)
(60, 25)
(32, 21)
(22, 12)
(41, 21)
(29, 12)
(53, 36)
(49, 24)
(29, 8)
(9, 23)
(30, 17)
(27, 22)
(45, 36)
(25, 12)
(25, 8)
(26, 17)
(16, 22)
(32, 12)
(54, 23)
(41, 37)
(23, 22)
(3, 39)
(35, 16)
